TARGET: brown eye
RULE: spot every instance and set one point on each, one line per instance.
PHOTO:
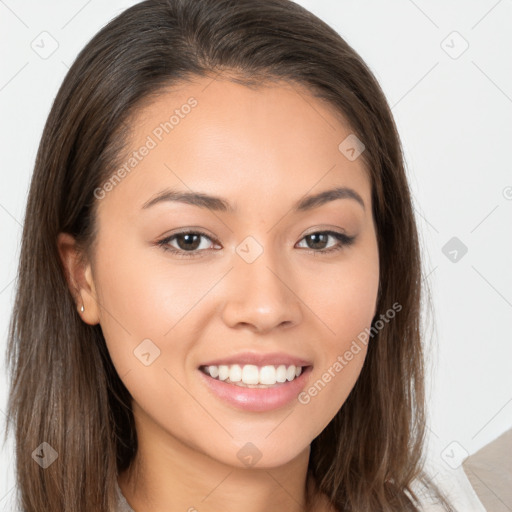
(317, 241)
(187, 243)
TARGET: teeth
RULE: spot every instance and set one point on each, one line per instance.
(252, 375)
(235, 373)
(281, 373)
(267, 375)
(223, 372)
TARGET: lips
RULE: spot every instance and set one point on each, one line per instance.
(259, 359)
(257, 399)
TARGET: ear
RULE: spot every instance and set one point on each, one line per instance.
(79, 278)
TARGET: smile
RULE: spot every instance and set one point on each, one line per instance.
(252, 375)
(253, 388)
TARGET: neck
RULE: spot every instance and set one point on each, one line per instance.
(169, 475)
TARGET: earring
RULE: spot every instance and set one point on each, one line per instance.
(82, 308)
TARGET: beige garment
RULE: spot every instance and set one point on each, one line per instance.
(490, 472)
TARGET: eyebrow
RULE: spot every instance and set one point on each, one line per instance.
(222, 205)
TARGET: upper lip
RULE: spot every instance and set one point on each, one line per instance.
(276, 358)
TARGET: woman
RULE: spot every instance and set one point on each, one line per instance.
(218, 303)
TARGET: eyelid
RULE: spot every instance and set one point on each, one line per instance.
(324, 229)
(190, 230)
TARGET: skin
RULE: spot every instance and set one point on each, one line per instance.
(262, 150)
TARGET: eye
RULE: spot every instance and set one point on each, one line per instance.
(189, 243)
(319, 239)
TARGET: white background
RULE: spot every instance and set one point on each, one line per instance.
(454, 116)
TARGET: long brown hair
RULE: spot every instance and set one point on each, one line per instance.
(64, 388)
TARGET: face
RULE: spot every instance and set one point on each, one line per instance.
(261, 276)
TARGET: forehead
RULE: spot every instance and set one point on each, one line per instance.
(229, 139)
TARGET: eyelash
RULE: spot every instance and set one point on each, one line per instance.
(344, 241)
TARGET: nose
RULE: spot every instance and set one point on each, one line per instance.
(262, 296)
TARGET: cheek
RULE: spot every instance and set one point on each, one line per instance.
(344, 297)
(345, 304)
(330, 386)
(146, 324)
(139, 301)
(348, 312)
(153, 313)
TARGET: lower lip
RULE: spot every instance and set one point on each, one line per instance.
(258, 399)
